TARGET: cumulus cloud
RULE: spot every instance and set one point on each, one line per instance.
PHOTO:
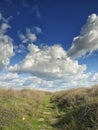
(20, 49)
(50, 63)
(6, 46)
(10, 80)
(95, 78)
(9, 76)
(48, 68)
(4, 28)
(19, 81)
(87, 41)
(28, 37)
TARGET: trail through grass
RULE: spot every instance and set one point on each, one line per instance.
(26, 110)
(75, 109)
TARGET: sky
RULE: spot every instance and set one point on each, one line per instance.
(49, 45)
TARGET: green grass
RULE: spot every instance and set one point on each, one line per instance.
(25, 110)
(75, 109)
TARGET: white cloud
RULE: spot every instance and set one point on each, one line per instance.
(29, 37)
(95, 78)
(51, 65)
(11, 80)
(9, 76)
(4, 28)
(5, 20)
(38, 30)
(20, 49)
(87, 41)
(6, 46)
(18, 81)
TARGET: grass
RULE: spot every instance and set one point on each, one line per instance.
(78, 108)
(75, 109)
(25, 110)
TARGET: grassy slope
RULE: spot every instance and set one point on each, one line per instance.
(25, 110)
(35, 110)
(78, 109)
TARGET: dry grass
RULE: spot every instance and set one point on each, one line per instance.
(75, 109)
(79, 108)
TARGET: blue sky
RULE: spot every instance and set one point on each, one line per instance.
(48, 44)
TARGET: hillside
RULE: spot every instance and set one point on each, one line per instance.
(75, 109)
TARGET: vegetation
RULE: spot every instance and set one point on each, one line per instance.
(75, 109)
(78, 109)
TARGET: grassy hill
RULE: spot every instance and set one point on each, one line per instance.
(75, 109)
